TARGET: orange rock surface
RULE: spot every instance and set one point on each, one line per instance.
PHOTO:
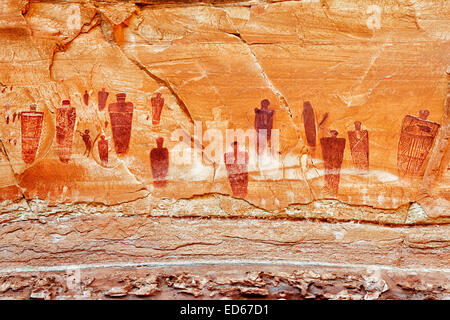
(351, 61)
(359, 93)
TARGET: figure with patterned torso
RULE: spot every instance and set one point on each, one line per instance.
(31, 128)
(416, 140)
(65, 125)
(121, 116)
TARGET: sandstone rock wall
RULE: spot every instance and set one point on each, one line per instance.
(355, 174)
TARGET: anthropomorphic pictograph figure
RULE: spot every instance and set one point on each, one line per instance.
(263, 124)
(103, 150)
(236, 163)
(157, 106)
(359, 147)
(416, 140)
(87, 141)
(309, 123)
(86, 98)
(31, 128)
(65, 125)
(333, 154)
(102, 98)
(121, 116)
(159, 162)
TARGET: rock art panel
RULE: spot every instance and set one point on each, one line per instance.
(207, 64)
(123, 155)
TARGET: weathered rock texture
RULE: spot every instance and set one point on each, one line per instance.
(84, 185)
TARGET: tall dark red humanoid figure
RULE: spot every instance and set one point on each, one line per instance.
(263, 124)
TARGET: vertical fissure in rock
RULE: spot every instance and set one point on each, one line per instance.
(5, 152)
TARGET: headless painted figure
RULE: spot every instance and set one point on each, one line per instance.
(263, 124)
(333, 154)
(159, 161)
(309, 123)
(236, 163)
(102, 98)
